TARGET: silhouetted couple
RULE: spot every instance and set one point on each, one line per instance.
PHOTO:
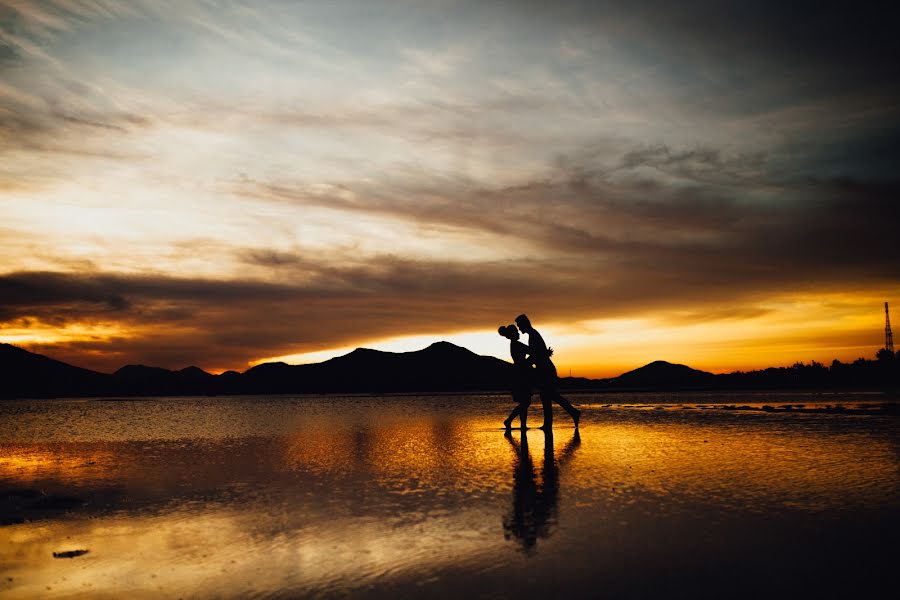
(533, 368)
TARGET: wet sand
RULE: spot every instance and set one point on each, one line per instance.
(657, 496)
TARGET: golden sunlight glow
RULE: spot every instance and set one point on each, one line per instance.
(42, 333)
(786, 330)
(781, 331)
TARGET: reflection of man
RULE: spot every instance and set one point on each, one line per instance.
(535, 507)
(545, 374)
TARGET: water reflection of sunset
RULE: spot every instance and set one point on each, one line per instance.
(771, 463)
(185, 552)
(362, 492)
(70, 465)
(419, 449)
(774, 464)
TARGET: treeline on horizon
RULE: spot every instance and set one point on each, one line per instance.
(881, 373)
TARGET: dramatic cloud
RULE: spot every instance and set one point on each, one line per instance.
(217, 183)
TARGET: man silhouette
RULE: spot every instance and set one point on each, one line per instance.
(545, 374)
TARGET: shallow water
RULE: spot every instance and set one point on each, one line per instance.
(656, 496)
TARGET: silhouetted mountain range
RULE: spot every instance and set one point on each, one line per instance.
(441, 367)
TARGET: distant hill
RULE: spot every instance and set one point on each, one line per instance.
(662, 374)
(25, 374)
(155, 381)
(441, 367)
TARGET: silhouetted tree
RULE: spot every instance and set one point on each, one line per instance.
(884, 354)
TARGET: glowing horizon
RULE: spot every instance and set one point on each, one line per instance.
(585, 349)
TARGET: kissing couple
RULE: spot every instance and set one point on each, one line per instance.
(532, 368)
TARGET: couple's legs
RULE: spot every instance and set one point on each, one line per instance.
(548, 397)
(521, 411)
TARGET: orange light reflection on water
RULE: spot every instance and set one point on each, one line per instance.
(337, 506)
(25, 464)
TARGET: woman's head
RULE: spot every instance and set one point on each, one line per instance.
(509, 331)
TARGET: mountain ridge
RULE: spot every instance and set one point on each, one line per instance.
(438, 368)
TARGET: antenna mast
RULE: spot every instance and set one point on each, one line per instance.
(888, 336)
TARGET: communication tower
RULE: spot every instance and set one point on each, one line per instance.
(888, 336)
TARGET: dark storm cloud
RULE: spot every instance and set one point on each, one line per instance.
(32, 290)
(36, 291)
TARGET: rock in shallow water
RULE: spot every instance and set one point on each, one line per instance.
(70, 553)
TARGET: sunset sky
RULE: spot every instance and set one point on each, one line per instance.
(226, 183)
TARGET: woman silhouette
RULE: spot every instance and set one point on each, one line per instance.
(522, 376)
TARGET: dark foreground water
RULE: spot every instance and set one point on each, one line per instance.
(657, 497)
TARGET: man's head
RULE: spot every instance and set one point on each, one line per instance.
(523, 323)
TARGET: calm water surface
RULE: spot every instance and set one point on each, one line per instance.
(657, 496)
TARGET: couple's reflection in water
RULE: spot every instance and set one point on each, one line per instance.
(535, 503)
